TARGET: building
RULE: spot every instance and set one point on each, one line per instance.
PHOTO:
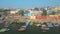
(13, 11)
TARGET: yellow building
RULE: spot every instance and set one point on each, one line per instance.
(32, 17)
(56, 8)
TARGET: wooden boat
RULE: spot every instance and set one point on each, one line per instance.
(44, 27)
(4, 30)
(23, 28)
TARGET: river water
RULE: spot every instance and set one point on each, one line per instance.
(30, 30)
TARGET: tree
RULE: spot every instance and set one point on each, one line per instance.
(21, 12)
(44, 12)
(1, 11)
(6, 11)
(36, 9)
(53, 12)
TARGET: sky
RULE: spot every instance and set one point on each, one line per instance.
(28, 3)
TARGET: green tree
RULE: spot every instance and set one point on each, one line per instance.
(6, 11)
(21, 12)
(53, 12)
(36, 9)
(44, 12)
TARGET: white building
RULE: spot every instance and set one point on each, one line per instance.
(35, 12)
(14, 11)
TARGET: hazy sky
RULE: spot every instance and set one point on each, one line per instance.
(28, 3)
